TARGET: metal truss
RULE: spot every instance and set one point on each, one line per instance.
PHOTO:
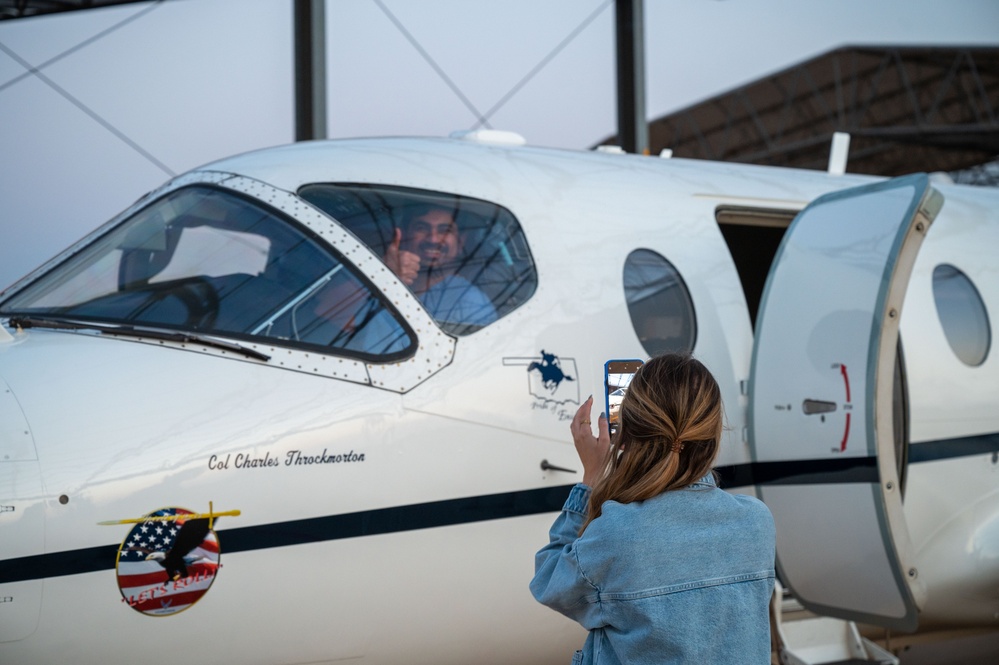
(10, 9)
(906, 109)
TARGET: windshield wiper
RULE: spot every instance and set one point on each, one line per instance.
(132, 331)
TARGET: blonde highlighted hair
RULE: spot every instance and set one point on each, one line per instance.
(670, 429)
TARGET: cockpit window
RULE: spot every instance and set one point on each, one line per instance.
(466, 260)
(208, 260)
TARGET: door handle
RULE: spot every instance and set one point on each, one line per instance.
(545, 466)
(814, 406)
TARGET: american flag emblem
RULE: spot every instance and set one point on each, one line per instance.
(168, 561)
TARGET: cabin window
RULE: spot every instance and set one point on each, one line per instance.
(962, 314)
(466, 260)
(659, 303)
(207, 260)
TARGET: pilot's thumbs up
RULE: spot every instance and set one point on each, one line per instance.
(391, 257)
(403, 263)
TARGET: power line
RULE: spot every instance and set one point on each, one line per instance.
(483, 118)
(76, 102)
(93, 115)
(426, 56)
(548, 58)
(79, 46)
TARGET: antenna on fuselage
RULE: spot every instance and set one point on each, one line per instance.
(839, 152)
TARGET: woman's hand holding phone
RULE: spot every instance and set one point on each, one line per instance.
(592, 450)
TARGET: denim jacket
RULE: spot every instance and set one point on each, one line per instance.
(684, 577)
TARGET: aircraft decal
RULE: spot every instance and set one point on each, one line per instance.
(846, 406)
(551, 380)
(168, 560)
(821, 408)
(471, 509)
(291, 458)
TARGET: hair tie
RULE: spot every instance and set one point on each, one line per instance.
(676, 447)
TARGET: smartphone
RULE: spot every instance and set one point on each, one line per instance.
(617, 378)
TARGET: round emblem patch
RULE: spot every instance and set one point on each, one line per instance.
(167, 562)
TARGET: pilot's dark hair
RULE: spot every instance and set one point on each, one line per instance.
(670, 429)
(418, 210)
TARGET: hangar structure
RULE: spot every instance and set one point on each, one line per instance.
(25, 8)
(906, 108)
(911, 108)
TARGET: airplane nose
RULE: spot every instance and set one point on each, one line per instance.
(22, 517)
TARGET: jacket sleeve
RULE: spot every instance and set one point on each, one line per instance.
(559, 581)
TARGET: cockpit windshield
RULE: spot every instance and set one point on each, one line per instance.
(209, 260)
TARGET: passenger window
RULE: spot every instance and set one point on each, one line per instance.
(659, 303)
(466, 260)
(962, 314)
(208, 260)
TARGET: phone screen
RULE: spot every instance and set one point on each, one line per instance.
(617, 378)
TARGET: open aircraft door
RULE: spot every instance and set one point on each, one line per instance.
(820, 405)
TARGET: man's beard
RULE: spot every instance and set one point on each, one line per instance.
(443, 261)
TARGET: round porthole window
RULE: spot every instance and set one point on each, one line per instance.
(659, 303)
(962, 314)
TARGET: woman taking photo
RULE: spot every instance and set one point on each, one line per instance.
(648, 554)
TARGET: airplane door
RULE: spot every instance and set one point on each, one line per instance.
(820, 407)
(21, 519)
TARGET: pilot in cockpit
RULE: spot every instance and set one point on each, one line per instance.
(426, 253)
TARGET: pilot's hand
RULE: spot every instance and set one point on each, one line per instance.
(405, 264)
(593, 451)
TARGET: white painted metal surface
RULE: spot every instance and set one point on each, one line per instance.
(822, 389)
(413, 555)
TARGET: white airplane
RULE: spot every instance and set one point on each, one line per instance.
(229, 432)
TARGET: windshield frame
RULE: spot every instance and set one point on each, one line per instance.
(333, 240)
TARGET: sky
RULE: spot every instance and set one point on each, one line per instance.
(98, 107)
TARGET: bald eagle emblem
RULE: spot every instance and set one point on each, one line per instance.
(168, 560)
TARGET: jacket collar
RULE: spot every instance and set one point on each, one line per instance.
(706, 482)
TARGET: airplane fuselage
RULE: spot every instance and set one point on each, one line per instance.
(390, 505)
